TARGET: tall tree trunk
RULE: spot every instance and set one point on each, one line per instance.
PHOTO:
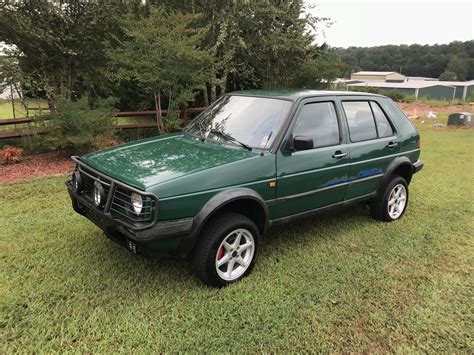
(69, 82)
(206, 96)
(169, 104)
(159, 118)
(13, 102)
(213, 91)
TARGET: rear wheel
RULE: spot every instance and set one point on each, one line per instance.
(227, 249)
(393, 202)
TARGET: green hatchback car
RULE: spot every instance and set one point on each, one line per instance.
(252, 160)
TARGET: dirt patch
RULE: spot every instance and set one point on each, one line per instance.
(36, 165)
(420, 109)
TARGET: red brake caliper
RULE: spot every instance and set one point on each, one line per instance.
(220, 253)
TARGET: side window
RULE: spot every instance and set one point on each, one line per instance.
(318, 121)
(360, 119)
(383, 125)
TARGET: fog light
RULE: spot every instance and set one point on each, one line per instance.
(77, 181)
(137, 202)
(98, 194)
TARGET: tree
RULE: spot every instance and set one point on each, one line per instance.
(320, 71)
(458, 66)
(414, 60)
(11, 77)
(60, 46)
(279, 41)
(161, 52)
(448, 76)
(254, 44)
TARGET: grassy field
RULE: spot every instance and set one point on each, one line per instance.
(6, 109)
(342, 282)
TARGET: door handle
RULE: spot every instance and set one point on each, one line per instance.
(391, 145)
(339, 155)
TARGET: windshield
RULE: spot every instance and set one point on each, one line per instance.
(241, 120)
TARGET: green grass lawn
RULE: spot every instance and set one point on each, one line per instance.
(6, 109)
(341, 282)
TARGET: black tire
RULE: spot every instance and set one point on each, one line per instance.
(379, 208)
(204, 258)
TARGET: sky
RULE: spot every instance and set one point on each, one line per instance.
(373, 23)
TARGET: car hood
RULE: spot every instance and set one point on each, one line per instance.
(152, 161)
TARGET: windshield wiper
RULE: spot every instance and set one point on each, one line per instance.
(202, 130)
(229, 138)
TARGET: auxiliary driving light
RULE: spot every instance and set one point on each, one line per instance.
(77, 181)
(137, 202)
(98, 194)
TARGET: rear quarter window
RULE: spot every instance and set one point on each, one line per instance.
(384, 127)
(401, 121)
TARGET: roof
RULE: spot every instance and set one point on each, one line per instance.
(423, 78)
(415, 84)
(458, 83)
(382, 73)
(296, 94)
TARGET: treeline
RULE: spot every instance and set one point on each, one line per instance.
(160, 53)
(453, 61)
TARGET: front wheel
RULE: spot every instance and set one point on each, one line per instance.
(393, 202)
(227, 249)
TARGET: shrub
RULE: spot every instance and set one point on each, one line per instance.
(393, 94)
(10, 155)
(76, 128)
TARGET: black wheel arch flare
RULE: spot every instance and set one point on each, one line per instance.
(400, 163)
(219, 203)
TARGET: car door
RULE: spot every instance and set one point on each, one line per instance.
(308, 179)
(373, 144)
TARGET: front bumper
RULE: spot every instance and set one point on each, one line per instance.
(165, 237)
(417, 166)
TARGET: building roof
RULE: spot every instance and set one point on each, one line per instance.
(296, 94)
(458, 83)
(415, 84)
(422, 78)
(381, 73)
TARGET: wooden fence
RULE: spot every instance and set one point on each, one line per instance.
(16, 133)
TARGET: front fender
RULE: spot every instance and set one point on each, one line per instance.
(216, 203)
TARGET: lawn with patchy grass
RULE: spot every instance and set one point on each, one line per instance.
(342, 282)
(6, 108)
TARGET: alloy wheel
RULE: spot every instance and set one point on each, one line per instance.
(397, 201)
(235, 254)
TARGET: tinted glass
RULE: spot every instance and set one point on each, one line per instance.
(318, 121)
(360, 120)
(383, 126)
(254, 121)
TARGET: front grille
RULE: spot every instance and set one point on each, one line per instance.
(88, 179)
(122, 208)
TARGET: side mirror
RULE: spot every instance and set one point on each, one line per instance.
(302, 143)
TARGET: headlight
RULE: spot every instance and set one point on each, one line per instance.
(99, 194)
(77, 181)
(137, 202)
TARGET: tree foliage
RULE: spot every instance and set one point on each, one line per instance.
(77, 128)
(161, 52)
(414, 60)
(177, 50)
(60, 46)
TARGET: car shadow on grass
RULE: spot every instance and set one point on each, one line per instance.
(278, 242)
